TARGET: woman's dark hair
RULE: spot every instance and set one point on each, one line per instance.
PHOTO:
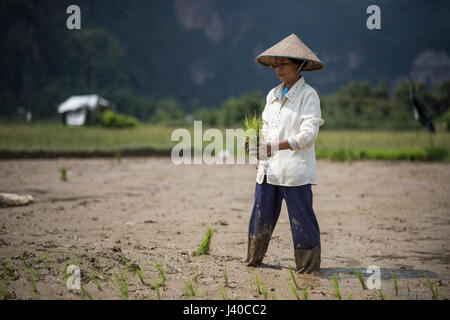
(299, 62)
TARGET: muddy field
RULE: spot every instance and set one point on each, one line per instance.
(112, 217)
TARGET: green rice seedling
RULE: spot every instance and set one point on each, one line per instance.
(204, 246)
(305, 294)
(162, 272)
(223, 292)
(33, 281)
(252, 127)
(4, 293)
(434, 289)
(225, 275)
(361, 278)
(140, 275)
(122, 284)
(382, 295)
(63, 174)
(258, 284)
(9, 270)
(74, 261)
(291, 272)
(93, 277)
(156, 287)
(264, 291)
(118, 157)
(150, 295)
(274, 296)
(294, 290)
(189, 291)
(349, 297)
(45, 261)
(31, 273)
(337, 291)
(24, 260)
(197, 275)
(394, 279)
(86, 293)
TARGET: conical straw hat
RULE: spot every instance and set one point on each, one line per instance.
(291, 47)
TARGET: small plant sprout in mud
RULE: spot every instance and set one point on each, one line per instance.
(349, 297)
(361, 278)
(197, 275)
(305, 294)
(63, 174)
(337, 291)
(86, 293)
(274, 296)
(204, 246)
(9, 271)
(4, 293)
(225, 275)
(45, 261)
(140, 275)
(394, 279)
(382, 295)
(258, 284)
(118, 157)
(31, 273)
(189, 291)
(264, 291)
(223, 292)
(434, 289)
(122, 284)
(162, 272)
(156, 287)
(93, 277)
(291, 272)
(294, 290)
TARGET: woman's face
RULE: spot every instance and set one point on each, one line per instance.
(286, 70)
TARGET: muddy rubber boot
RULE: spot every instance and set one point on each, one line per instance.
(257, 248)
(307, 261)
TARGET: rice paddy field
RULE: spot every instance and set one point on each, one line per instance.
(144, 228)
(333, 145)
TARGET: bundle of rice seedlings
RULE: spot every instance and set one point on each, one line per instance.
(204, 246)
(252, 127)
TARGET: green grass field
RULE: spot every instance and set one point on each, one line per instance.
(334, 145)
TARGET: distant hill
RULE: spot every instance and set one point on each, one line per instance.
(202, 52)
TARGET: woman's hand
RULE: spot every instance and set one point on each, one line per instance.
(263, 152)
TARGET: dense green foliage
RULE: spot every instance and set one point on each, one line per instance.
(110, 119)
(161, 61)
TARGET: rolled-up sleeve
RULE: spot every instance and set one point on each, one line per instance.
(311, 120)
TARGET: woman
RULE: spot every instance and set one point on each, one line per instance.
(287, 165)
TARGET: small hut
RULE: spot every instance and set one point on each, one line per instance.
(82, 110)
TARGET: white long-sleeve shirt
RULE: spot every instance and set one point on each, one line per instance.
(297, 118)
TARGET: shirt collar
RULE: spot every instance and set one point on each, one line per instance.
(292, 93)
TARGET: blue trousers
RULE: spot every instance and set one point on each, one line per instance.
(304, 226)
